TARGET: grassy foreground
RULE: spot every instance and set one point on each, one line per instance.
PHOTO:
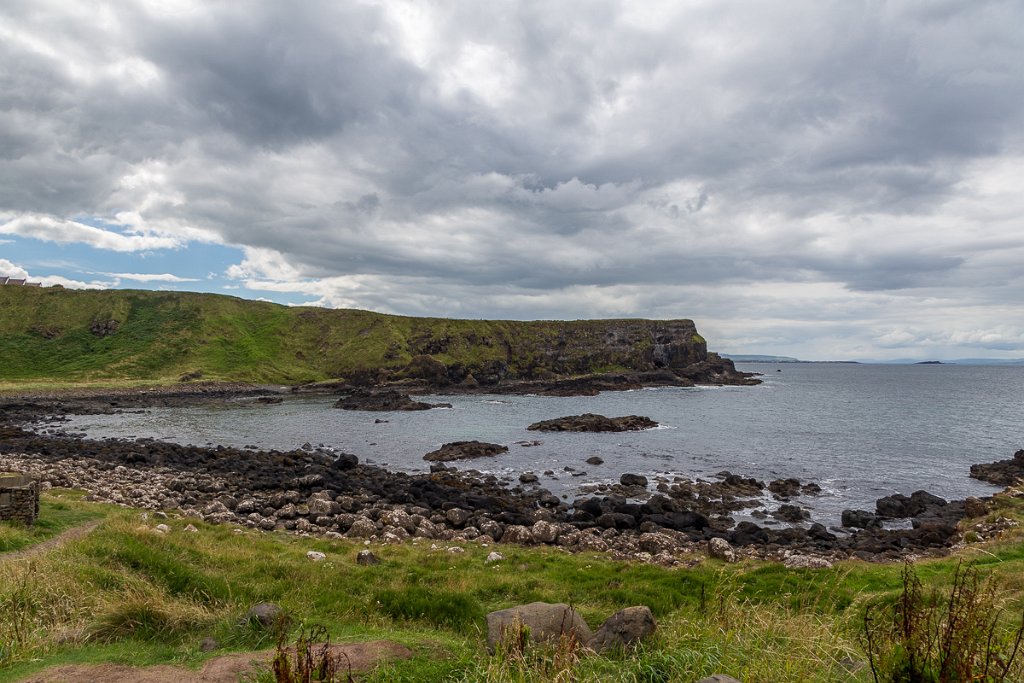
(126, 594)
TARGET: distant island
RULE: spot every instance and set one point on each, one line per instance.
(761, 358)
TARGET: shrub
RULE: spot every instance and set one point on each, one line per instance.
(310, 660)
(926, 637)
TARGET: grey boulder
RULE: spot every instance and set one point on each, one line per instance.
(545, 621)
(623, 629)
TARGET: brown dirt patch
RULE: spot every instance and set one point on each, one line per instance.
(224, 669)
(58, 540)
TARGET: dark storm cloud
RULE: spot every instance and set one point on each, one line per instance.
(507, 158)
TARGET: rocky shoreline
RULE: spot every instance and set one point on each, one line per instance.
(321, 492)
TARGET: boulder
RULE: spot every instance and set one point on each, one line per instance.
(860, 519)
(791, 513)
(1002, 473)
(545, 532)
(266, 614)
(517, 533)
(633, 480)
(545, 622)
(362, 528)
(785, 488)
(390, 400)
(345, 461)
(975, 507)
(465, 450)
(366, 558)
(589, 422)
(806, 562)
(720, 549)
(457, 516)
(623, 629)
(895, 506)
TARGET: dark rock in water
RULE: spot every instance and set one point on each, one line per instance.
(894, 506)
(818, 532)
(345, 461)
(589, 422)
(791, 513)
(269, 400)
(785, 488)
(594, 460)
(528, 478)
(633, 480)
(747, 533)
(1003, 472)
(860, 519)
(465, 450)
(901, 506)
(390, 400)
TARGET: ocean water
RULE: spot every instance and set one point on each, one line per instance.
(859, 431)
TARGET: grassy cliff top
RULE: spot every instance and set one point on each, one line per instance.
(54, 334)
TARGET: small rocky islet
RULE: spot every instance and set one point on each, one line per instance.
(318, 491)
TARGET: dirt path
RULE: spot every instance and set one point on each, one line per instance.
(51, 543)
(361, 657)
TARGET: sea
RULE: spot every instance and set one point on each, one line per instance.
(859, 431)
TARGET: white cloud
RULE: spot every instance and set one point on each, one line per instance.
(816, 176)
(12, 270)
(63, 231)
(150, 277)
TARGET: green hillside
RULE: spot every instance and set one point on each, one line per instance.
(54, 334)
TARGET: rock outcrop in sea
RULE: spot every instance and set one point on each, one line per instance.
(589, 422)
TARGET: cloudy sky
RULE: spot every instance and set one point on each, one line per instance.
(823, 179)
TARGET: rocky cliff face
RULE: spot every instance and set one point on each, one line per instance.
(634, 351)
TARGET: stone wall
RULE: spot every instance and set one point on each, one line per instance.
(19, 497)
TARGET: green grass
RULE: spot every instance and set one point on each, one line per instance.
(55, 516)
(126, 594)
(46, 337)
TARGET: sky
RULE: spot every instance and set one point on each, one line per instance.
(825, 179)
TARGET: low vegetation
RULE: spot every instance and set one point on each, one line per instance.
(125, 593)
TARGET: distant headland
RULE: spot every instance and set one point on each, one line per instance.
(75, 336)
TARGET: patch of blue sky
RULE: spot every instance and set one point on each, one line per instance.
(200, 266)
(77, 261)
